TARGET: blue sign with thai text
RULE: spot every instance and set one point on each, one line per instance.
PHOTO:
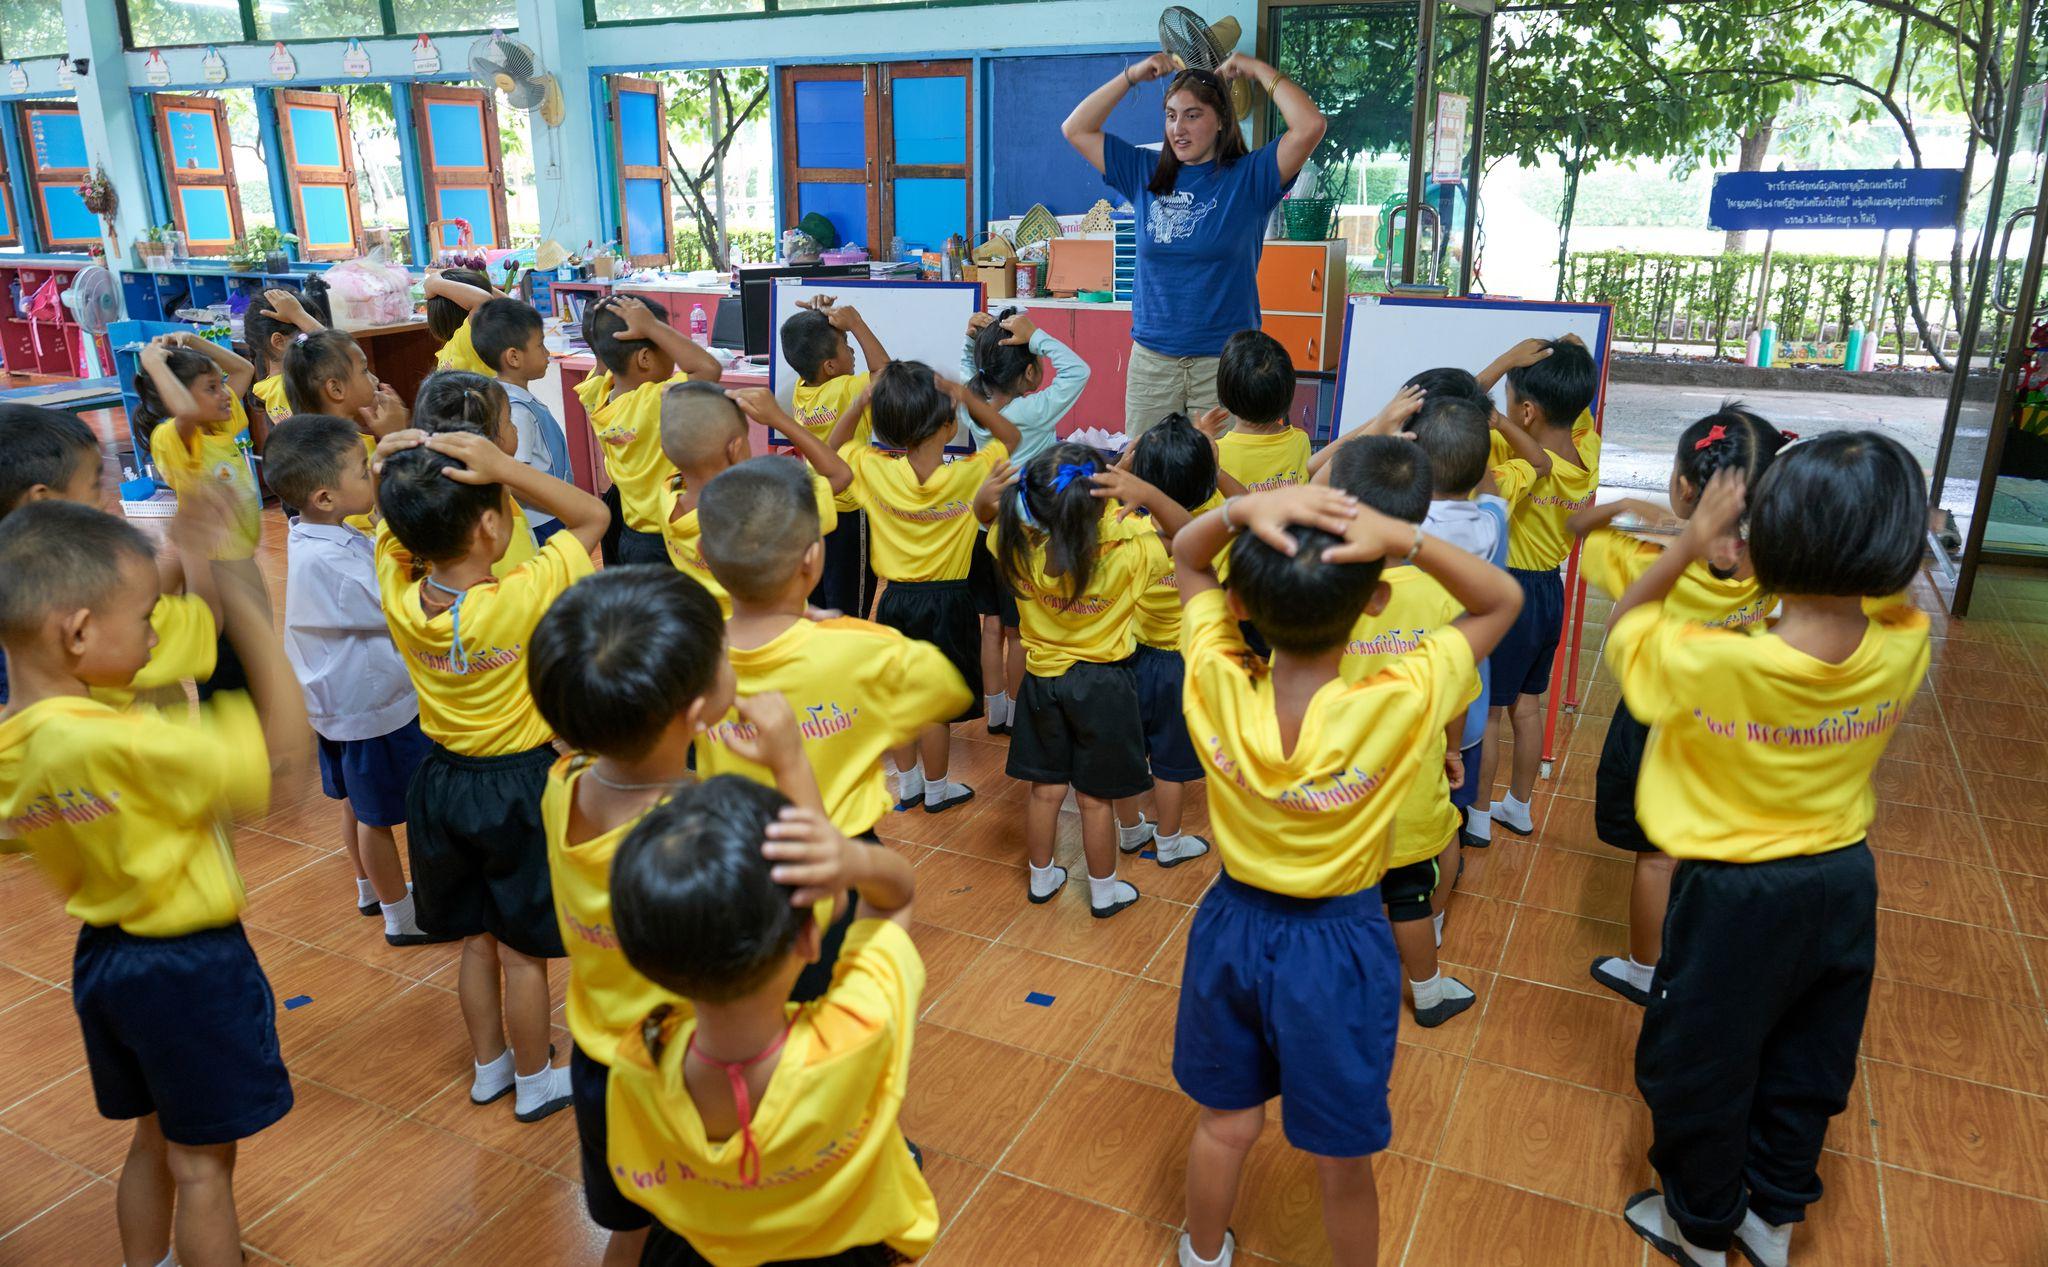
(1878, 198)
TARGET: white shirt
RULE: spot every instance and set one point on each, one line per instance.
(1466, 526)
(336, 638)
(528, 416)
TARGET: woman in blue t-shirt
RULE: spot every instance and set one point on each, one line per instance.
(1202, 209)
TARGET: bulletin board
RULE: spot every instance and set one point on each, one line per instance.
(916, 321)
(1029, 97)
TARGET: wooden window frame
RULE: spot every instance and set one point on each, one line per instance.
(963, 171)
(615, 86)
(794, 176)
(434, 178)
(877, 80)
(299, 176)
(176, 178)
(39, 177)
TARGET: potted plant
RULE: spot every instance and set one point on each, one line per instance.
(154, 247)
(264, 248)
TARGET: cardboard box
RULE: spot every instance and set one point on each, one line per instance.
(999, 281)
(1079, 264)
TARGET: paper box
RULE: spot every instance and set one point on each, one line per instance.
(999, 281)
(1080, 264)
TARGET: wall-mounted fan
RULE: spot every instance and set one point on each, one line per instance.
(512, 69)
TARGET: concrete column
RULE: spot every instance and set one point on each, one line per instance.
(93, 29)
(567, 161)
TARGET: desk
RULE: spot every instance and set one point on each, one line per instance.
(74, 397)
(586, 459)
(401, 354)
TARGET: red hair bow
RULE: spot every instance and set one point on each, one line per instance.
(1790, 436)
(1714, 433)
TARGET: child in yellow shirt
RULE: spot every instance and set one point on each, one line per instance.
(1546, 463)
(269, 327)
(817, 341)
(457, 400)
(1757, 779)
(757, 1130)
(921, 506)
(479, 856)
(325, 372)
(452, 294)
(638, 355)
(1292, 987)
(1255, 382)
(628, 668)
(126, 812)
(1721, 592)
(1079, 544)
(704, 433)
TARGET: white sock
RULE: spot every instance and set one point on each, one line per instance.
(910, 783)
(533, 1090)
(1654, 1215)
(1437, 921)
(944, 790)
(1513, 812)
(399, 918)
(1178, 846)
(1479, 820)
(1009, 710)
(169, 1260)
(366, 893)
(1130, 838)
(1771, 1243)
(1639, 974)
(492, 1079)
(1046, 879)
(1438, 989)
(992, 707)
(1107, 893)
(1189, 1258)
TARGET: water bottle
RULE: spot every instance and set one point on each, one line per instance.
(700, 325)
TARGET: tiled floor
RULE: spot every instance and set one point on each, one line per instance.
(1054, 1134)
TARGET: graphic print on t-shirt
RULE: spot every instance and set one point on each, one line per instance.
(1174, 216)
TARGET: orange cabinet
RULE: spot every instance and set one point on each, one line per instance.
(1301, 300)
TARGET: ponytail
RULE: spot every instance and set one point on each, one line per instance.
(185, 365)
(460, 400)
(999, 366)
(311, 361)
(1053, 507)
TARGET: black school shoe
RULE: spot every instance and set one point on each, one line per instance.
(1430, 1018)
(1469, 841)
(1648, 1207)
(1620, 985)
(372, 907)
(950, 802)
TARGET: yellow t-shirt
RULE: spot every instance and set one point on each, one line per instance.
(519, 545)
(606, 996)
(817, 409)
(1263, 462)
(834, 1170)
(859, 689)
(919, 532)
(1758, 751)
(1612, 560)
(628, 430)
(459, 353)
(684, 537)
(271, 392)
(127, 811)
(215, 454)
(1315, 821)
(1158, 618)
(1538, 540)
(1417, 606)
(477, 704)
(1098, 626)
(187, 644)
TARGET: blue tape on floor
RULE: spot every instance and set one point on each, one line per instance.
(1148, 853)
(1038, 1000)
(297, 1001)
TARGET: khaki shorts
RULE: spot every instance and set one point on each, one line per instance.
(1155, 386)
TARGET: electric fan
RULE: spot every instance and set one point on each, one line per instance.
(94, 300)
(511, 68)
(1195, 45)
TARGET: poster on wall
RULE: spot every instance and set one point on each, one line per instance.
(213, 68)
(17, 77)
(1847, 198)
(66, 77)
(281, 64)
(156, 70)
(354, 60)
(426, 59)
(1448, 165)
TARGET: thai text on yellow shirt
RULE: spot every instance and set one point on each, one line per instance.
(1538, 540)
(1263, 462)
(271, 392)
(817, 409)
(1098, 626)
(1612, 560)
(919, 530)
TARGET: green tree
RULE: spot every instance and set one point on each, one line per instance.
(741, 93)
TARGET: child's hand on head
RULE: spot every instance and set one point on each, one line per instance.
(386, 413)
(483, 462)
(953, 391)
(1019, 329)
(283, 305)
(1526, 353)
(978, 322)
(1270, 514)
(1405, 405)
(1211, 424)
(842, 318)
(811, 856)
(757, 403)
(1373, 535)
(641, 323)
(1712, 527)
(395, 442)
(1120, 484)
(770, 736)
(816, 303)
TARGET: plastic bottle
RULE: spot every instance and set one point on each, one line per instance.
(1766, 345)
(700, 325)
(1852, 349)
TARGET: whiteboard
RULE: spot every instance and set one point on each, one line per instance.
(1388, 339)
(916, 321)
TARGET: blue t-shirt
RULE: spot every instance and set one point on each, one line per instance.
(1198, 247)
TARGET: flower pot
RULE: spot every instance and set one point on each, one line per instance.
(277, 262)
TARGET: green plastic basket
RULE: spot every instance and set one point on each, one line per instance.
(1308, 219)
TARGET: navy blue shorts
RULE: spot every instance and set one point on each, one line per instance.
(542, 531)
(636, 546)
(1294, 997)
(1523, 661)
(848, 582)
(479, 853)
(941, 613)
(1167, 745)
(1614, 783)
(609, 1208)
(183, 1027)
(372, 774)
(992, 597)
(1466, 794)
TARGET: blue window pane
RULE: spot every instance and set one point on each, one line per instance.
(471, 203)
(846, 206)
(69, 220)
(930, 118)
(640, 139)
(6, 219)
(207, 219)
(323, 216)
(59, 139)
(646, 234)
(195, 142)
(929, 211)
(456, 132)
(316, 142)
(831, 124)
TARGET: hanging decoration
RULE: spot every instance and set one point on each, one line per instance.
(17, 77)
(281, 64)
(97, 193)
(66, 76)
(213, 68)
(426, 59)
(354, 59)
(156, 70)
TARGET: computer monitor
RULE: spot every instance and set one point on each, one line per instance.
(757, 296)
(728, 329)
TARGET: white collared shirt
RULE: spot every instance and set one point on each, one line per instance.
(336, 638)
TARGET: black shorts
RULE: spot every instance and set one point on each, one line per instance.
(1614, 784)
(372, 775)
(608, 1207)
(941, 613)
(1168, 749)
(992, 597)
(1406, 890)
(636, 546)
(228, 674)
(848, 582)
(183, 1027)
(479, 854)
(1523, 661)
(1081, 728)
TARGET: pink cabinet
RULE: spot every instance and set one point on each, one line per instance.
(1102, 337)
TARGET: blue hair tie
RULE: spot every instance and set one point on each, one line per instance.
(1068, 473)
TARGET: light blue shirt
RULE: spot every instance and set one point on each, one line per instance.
(543, 445)
(1478, 526)
(336, 638)
(1037, 416)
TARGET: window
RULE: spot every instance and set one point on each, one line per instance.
(454, 15)
(199, 170)
(53, 148)
(10, 227)
(315, 19)
(169, 23)
(460, 166)
(639, 132)
(599, 12)
(882, 151)
(320, 171)
(31, 28)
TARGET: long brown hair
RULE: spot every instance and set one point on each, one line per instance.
(1210, 91)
